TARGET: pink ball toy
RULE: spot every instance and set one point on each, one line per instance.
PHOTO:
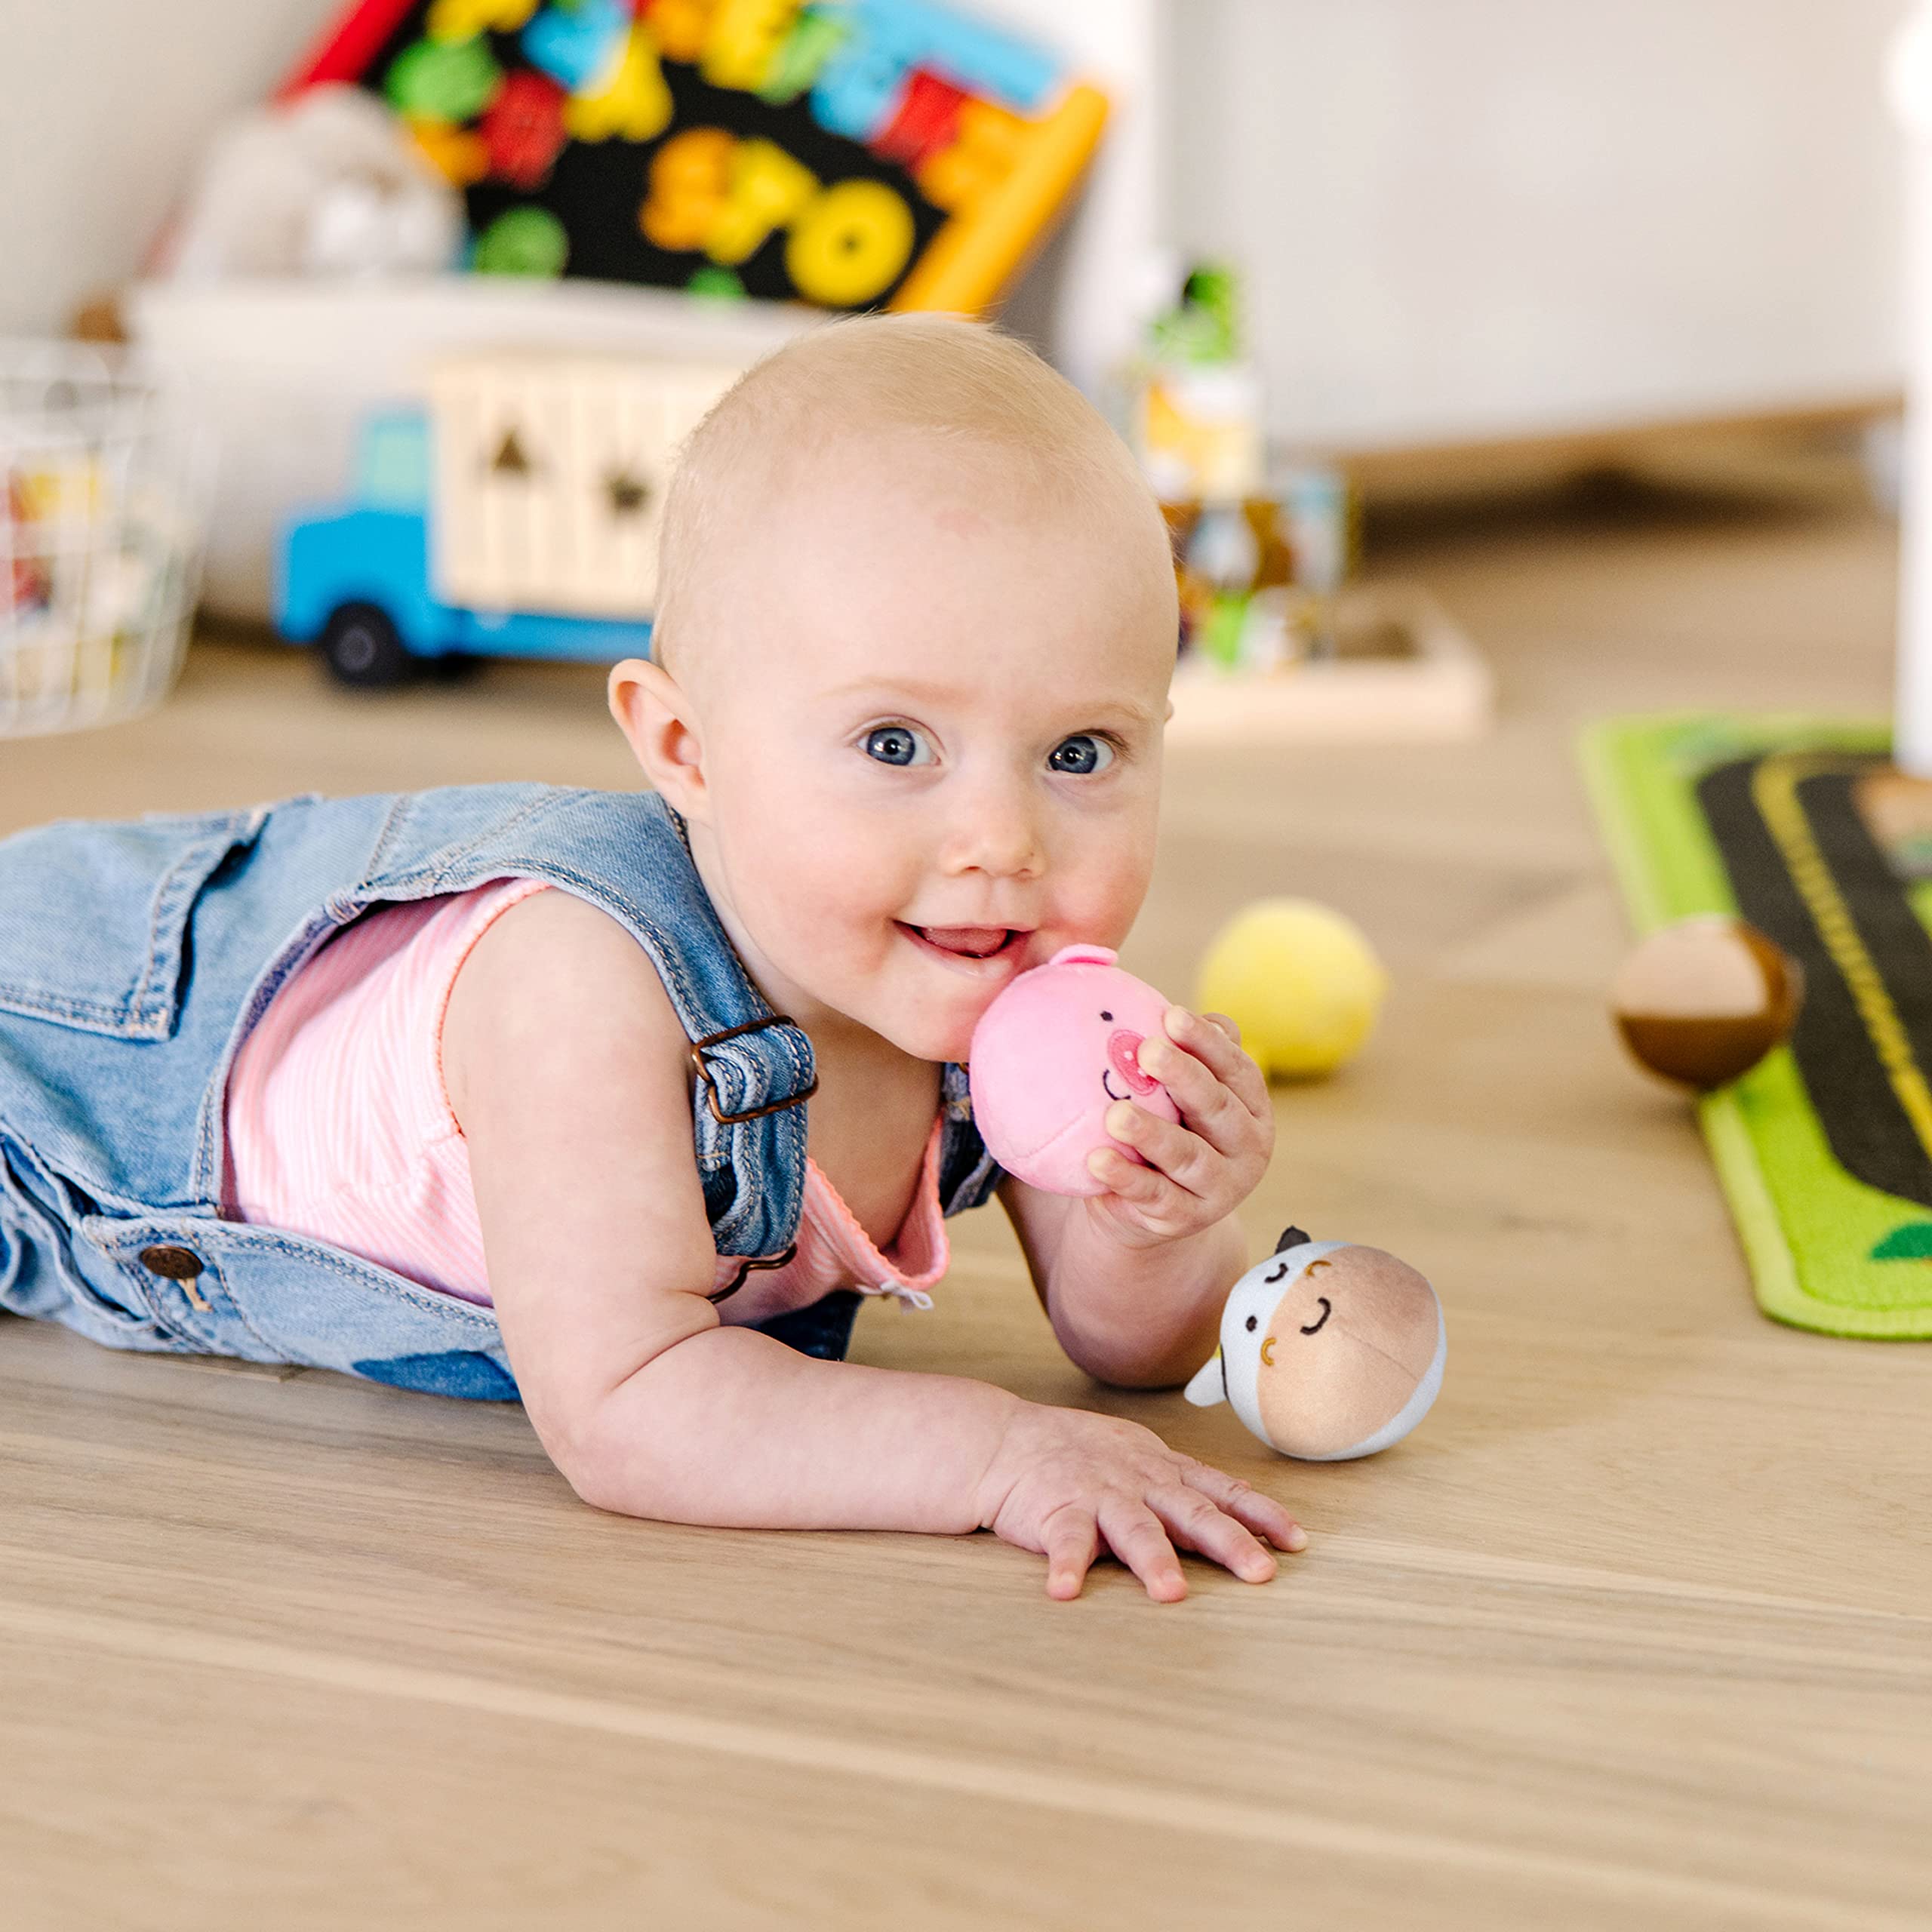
(1057, 1049)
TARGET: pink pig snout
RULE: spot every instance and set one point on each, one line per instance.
(1039, 1101)
(1123, 1050)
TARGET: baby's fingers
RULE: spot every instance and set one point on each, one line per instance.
(1261, 1514)
(1196, 1524)
(1135, 1535)
(1071, 1541)
(1215, 1042)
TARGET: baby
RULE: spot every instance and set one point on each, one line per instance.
(620, 1102)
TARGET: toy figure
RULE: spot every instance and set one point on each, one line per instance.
(1328, 1351)
(1051, 1054)
(1703, 1000)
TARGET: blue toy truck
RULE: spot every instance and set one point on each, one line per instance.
(356, 581)
(515, 515)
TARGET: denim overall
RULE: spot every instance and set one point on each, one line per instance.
(133, 959)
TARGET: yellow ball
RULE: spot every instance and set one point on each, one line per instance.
(1302, 983)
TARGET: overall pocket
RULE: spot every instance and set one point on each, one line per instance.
(95, 933)
(245, 1288)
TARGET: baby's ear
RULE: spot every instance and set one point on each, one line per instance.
(661, 724)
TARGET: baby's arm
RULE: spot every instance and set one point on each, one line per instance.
(569, 1074)
(1135, 1317)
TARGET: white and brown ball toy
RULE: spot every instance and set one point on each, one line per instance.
(1329, 1351)
(1702, 1001)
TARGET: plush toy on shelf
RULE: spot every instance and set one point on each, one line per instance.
(1329, 1351)
(1057, 1049)
(328, 184)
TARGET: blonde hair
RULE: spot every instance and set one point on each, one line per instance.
(933, 376)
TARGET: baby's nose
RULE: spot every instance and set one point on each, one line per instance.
(1123, 1050)
(995, 833)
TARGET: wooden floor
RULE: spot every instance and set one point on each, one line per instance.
(1637, 1631)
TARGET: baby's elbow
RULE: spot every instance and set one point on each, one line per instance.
(584, 1454)
(1134, 1360)
(615, 1466)
(600, 1480)
(1137, 1376)
(610, 1455)
(614, 1450)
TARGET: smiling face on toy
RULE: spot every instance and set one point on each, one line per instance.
(1328, 1350)
(1051, 1054)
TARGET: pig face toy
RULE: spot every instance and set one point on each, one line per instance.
(1057, 1049)
(1328, 1351)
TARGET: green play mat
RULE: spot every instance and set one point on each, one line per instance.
(1825, 1149)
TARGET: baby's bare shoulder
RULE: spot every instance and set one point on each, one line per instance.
(555, 978)
(570, 1079)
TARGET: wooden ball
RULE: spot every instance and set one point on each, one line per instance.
(1702, 1002)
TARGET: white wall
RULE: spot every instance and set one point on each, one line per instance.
(1470, 218)
(104, 107)
(1076, 302)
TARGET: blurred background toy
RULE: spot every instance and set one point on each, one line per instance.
(1051, 1054)
(1702, 1001)
(1302, 983)
(1260, 552)
(516, 516)
(908, 153)
(1329, 1351)
(1197, 406)
(1278, 641)
(329, 183)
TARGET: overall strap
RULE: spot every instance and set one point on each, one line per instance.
(627, 853)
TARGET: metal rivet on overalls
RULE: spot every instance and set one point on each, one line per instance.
(178, 1264)
(175, 1264)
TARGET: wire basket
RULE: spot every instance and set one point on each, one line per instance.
(103, 497)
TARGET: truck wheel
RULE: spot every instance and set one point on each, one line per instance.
(364, 649)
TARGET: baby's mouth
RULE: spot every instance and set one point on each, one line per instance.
(967, 942)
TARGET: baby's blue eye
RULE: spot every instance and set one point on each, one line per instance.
(897, 744)
(1082, 755)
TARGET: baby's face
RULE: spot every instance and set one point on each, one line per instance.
(933, 738)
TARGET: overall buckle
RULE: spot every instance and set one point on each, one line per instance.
(737, 1281)
(717, 1113)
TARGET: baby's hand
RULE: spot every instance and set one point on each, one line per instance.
(1200, 1170)
(1067, 1484)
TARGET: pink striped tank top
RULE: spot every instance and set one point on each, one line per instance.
(340, 1128)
